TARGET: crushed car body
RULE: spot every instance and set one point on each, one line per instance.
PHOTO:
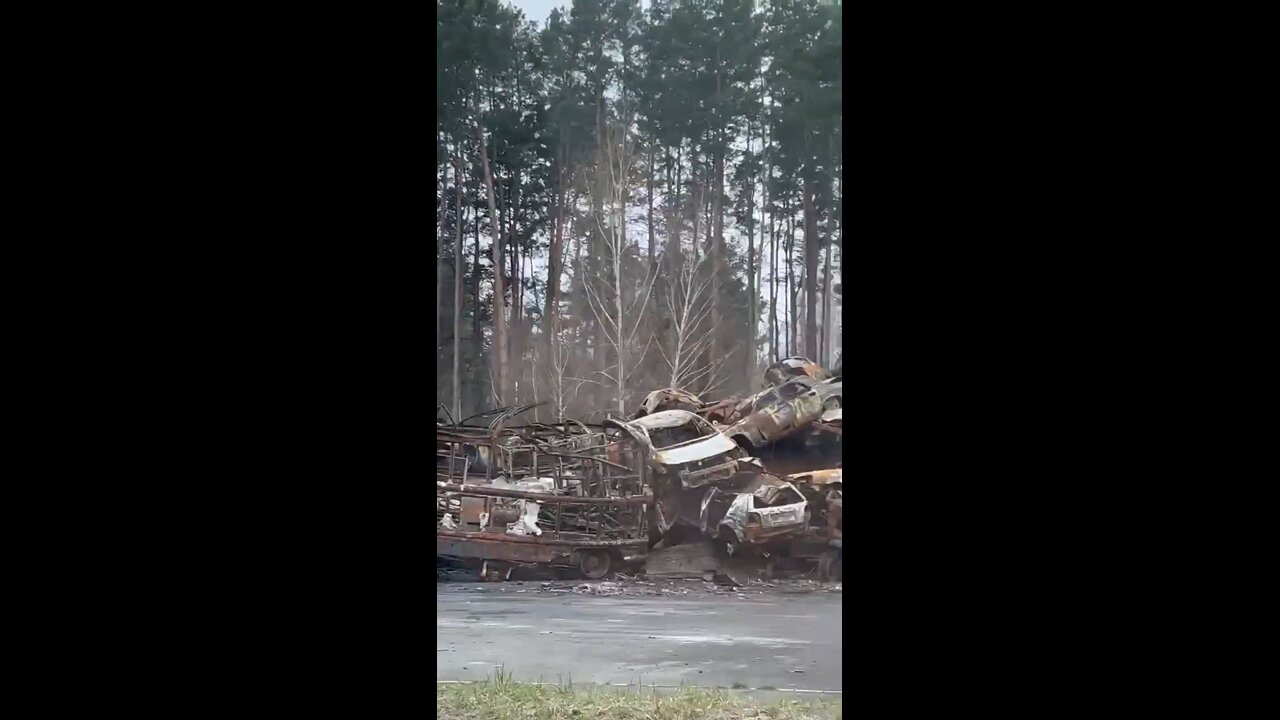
(768, 511)
(779, 412)
(795, 366)
(681, 445)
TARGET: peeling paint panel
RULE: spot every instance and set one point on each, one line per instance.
(665, 419)
(697, 450)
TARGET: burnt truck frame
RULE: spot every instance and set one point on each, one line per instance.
(605, 534)
(589, 511)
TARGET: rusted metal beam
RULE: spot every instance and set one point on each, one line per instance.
(585, 542)
(484, 490)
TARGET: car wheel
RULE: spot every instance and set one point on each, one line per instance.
(594, 564)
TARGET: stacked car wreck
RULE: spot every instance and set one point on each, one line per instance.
(678, 472)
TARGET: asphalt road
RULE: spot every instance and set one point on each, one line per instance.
(782, 641)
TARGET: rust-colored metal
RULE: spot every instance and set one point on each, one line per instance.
(444, 489)
(817, 477)
(667, 399)
(527, 549)
(724, 412)
(756, 534)
(777, 413)
(567, 495)
(783, 370)
(773, 423)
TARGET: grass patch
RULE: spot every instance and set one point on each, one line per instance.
(503, 699)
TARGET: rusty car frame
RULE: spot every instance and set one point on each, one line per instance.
(777, 413)
(678, 444)
(794, 366)
(685, 454)
(766, 510)
(667, 399)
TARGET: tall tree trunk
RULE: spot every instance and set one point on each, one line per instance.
(839, 243)
(827, 325)
(557, 240)
(791, 283)
(700, 184)
(752, 300)
(810, 273)
(773, 287)
(477, 386)
(620, 234)
(440, 236)
(618, 193)
(717, 238)
(674, 222)
(652, 262)
(457, 284)
(673, 231)
(717, 217)
(503, 390)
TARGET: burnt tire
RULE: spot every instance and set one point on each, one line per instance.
(594, 564)
(830, 569)
(727, 544)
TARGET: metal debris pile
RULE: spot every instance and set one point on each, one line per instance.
(681, 487)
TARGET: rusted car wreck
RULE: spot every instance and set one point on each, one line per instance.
(562, 496)
(674, 473)
(704, 482)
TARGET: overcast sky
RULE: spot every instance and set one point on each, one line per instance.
(539, 10)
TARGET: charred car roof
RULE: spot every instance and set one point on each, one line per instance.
(794, 366)
(667, 399)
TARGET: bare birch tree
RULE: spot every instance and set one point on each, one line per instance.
(619, 325)
(689, 301)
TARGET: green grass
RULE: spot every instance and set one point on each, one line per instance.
(502, 699)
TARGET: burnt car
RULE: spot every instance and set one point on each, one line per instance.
(684, 454)
(823, 540)
(680, 445)
(795, 366)
(817, 485)
(667, 399)
(780, 412)
(764, 511)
